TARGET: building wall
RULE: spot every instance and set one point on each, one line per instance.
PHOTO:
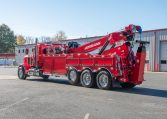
(155, 54)
(20, 52)
(161, 50)
(82, 41)
(7, 59)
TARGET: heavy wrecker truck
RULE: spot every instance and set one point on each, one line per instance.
(113, 62)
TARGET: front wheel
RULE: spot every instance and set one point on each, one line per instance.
(21, 73)
(127, 85)
(104, 80)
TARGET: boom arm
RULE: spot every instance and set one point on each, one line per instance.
(126, 35)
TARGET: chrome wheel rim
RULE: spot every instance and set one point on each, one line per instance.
(103, 80)
(20, 73)
(73, 75)
(86, 78)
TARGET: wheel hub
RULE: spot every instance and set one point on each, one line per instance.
(20, 73)
(103, 80)
(86, 78)
(73, 75)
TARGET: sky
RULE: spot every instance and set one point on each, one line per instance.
(81, 18)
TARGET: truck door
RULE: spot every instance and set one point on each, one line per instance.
(48, 61)
(59, 65)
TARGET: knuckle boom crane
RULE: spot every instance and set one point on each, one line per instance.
(114, 62)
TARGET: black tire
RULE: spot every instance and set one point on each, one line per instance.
(73, 77)
(87, 79)
(21, 73)
(127, 85)
(45, 77)
(105, 83)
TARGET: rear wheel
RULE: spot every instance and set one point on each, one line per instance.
(21, 73)
(127, 85)
(104, 80)
(87, 79)
(73, 77)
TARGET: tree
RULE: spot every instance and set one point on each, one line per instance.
(7, 39)
(20, 40)
(59, 36)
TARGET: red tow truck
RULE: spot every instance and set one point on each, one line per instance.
(113, 62)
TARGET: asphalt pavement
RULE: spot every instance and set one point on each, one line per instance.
(57, 99)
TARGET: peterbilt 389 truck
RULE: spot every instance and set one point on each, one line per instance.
(114, 61)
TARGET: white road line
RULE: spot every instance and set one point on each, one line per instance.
(110, 99)
(18, 102)
(87, 116)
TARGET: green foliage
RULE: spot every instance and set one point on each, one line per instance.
(7, 39)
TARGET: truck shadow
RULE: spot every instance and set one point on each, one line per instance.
(59, 81)
(143, 91)
(137, 90)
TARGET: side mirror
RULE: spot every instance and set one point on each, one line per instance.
(45, 51)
